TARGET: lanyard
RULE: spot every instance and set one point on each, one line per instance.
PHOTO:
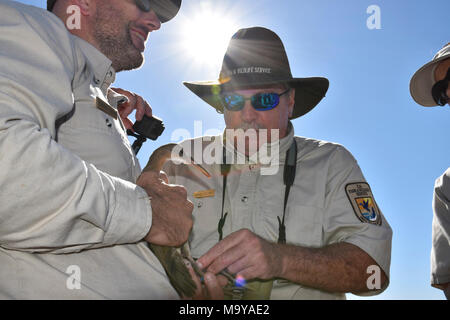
(224, 170)
(290, 167)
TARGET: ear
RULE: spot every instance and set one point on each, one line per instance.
(291, 101)
(87, 7)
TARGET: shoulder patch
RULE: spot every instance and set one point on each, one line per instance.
(363, 202)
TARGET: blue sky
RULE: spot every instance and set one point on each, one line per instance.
(401, 147)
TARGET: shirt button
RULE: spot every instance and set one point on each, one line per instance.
(97, 81)
(244, 199)
(110, 74)
(199, 204)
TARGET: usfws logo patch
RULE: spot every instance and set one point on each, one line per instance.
(363, 203)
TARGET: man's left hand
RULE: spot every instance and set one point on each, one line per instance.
(135, 102)
(246, 254)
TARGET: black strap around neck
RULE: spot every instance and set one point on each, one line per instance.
(224, 170)
(290, 167)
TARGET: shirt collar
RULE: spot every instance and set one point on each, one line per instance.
(283, 145)
(104, 73)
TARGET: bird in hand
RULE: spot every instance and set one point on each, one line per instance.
(174, 259)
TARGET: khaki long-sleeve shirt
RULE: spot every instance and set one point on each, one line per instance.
(440, 250)
(71, 216)
(329, 202)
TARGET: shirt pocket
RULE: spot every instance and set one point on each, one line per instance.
(206, 215)
(97, 138)
(90, 118)
(303, 224)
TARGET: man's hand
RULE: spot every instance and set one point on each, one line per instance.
(212, 289)
(246, 254)
(171, 210)
(135, 102)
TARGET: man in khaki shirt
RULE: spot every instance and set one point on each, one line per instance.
(75, 214)
(279, 208)
(430, 87)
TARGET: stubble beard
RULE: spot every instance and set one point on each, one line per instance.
(114, 39)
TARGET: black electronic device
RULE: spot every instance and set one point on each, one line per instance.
(148, 128)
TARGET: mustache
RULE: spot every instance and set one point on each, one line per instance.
(250, 125)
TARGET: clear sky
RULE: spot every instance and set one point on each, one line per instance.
(401, 147)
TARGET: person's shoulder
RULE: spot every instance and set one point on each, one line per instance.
(34, 25)
(446, 174)
(37, 33)
(309, 146)
(443, 182)
(28, 14)
(198, 144)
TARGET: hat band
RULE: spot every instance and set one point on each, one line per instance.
(246, 76)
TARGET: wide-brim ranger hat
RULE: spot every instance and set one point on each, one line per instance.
(423, 80)
(256, 57)
(164, 9)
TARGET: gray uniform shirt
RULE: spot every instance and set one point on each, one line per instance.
(320, 210)
(440, 251)
(71, 217)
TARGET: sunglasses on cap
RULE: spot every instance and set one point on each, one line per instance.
(164, 9)
(439, 90)
(260, 101)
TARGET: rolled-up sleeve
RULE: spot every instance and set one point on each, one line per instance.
(52, 200)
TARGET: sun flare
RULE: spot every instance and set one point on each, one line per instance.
(206, 35)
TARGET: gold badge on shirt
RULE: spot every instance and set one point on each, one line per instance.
(204, 193)
(363, 202)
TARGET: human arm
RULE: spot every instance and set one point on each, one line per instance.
(52, 200)
(440, 250)
(340, 267)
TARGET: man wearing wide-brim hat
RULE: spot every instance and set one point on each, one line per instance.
(292, 216)
(429, 87)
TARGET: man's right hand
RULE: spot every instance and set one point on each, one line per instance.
(171, 210)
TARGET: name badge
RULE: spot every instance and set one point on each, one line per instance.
(204, 193)
(105, 107)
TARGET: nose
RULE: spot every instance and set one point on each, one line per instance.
(248, 113)
(150, 20)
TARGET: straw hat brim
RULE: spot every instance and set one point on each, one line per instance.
(308, 92)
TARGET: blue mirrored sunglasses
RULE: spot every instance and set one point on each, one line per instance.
(261, 101)
(164, 9)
